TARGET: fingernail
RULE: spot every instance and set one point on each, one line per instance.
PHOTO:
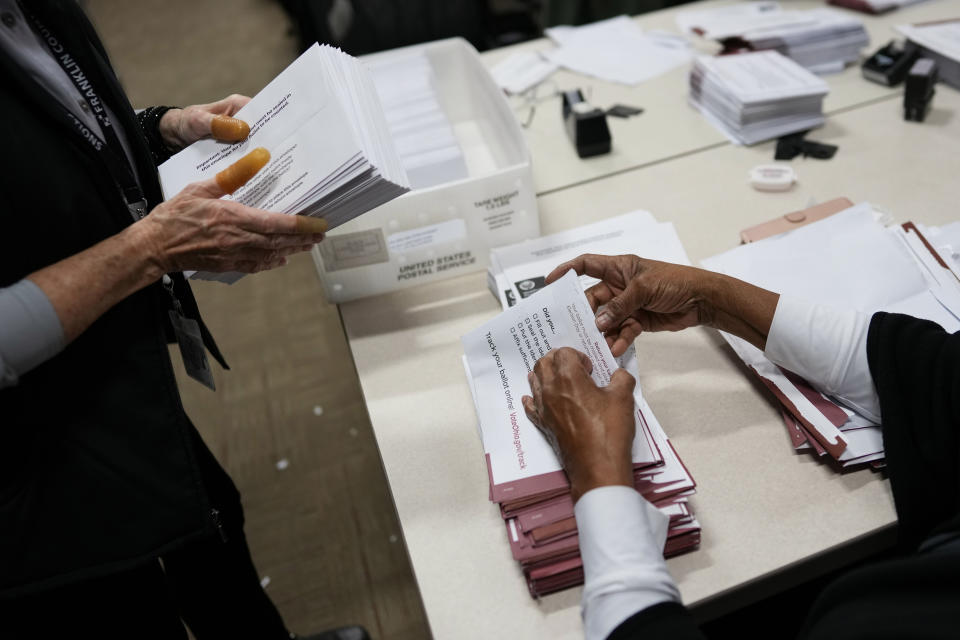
(604, 320)
(229, 129)
(306, 224)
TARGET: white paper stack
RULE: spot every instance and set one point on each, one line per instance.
(521, 71)
(822, 40)
(846, 261)
(940, 41)
(617, 50)
(518, 271)
(753, 97)
(332, 155)
(425, 139)
(525, 476)
(873, 7)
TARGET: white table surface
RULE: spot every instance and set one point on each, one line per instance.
(763, 508)
(669, 128)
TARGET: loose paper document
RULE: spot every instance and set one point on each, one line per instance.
(617, 50)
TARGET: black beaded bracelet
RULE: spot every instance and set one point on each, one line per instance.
(149, 121)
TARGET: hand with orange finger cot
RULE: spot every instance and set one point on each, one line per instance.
(197, 230)
(590, 427)
(635, 295)
(180, 128)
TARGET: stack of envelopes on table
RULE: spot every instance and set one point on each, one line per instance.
(822, 40)
(940, 41)
(873, 7)
(847, 261)
(525, 476)
(753, 97)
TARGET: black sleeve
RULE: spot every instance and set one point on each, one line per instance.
(666, 621)
(913, 597)
(149, 122)
(915, 366)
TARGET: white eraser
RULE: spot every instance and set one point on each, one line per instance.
(772, 177)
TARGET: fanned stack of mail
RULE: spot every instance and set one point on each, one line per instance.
(425, 138)
(526, 478)
(332, 155)
(847, 261)
(822, 40)
(752, 97)
(941, 42)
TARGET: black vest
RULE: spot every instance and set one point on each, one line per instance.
(98, 461)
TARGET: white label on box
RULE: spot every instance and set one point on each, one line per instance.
(359, 249)
(497, 210)
(423, 237)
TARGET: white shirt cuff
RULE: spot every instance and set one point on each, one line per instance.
(828, 348)
(621, 543)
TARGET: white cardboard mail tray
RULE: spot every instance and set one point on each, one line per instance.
(482, 194)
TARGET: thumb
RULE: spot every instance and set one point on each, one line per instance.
(225, 128)
(622, 382)
(618, 308)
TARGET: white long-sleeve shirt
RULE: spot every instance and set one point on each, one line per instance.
(622, 535)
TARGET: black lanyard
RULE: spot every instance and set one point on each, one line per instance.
(110, 150)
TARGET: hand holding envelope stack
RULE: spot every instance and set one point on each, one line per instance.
(329, 147)
(526, 478)
(839, 261)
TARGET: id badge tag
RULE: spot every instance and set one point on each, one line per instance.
(192, 350)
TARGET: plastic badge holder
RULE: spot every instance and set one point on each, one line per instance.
(772, 177)
(448, 229)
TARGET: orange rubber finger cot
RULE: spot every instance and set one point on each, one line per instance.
(227, 129)
(237, 174)
(306, 224)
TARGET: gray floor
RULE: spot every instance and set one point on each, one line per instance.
(288, 421)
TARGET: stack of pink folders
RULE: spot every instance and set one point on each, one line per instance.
(841, 256)
(542, 529)
(525, 476)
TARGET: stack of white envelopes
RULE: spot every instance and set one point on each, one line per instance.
(332, 154)
(525, 475)
(846, 261)
(822, 40)
(753, 97)
(425, 138)
(940, 41)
